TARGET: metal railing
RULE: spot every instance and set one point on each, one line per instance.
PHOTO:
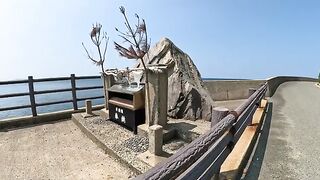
(203, 157)
(32, 92)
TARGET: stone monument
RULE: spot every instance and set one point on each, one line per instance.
(188, 98)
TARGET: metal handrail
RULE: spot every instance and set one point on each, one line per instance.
(31, 93)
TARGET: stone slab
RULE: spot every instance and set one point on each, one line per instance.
(168, 132)
(152, 159)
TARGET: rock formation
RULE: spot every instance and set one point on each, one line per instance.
(188, 98)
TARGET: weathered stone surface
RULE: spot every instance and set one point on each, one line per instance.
(188, 98)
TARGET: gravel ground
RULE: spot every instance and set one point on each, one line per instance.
(125, 144)
(55, 151)
(118, 139)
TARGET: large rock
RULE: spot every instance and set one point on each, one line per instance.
(188, 98)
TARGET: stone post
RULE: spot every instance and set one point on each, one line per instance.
(155, 139)
(218, 113)
(108, 81)
(88, 107)
(158, 92)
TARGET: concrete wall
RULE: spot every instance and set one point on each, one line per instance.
(221, 90)
(274, 82)
(41, 118)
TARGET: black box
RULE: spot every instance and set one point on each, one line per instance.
(126, 105)
(127, 117)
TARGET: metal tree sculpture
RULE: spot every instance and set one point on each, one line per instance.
(138, 46)
(97, 39)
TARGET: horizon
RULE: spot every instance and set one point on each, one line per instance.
(225, 40)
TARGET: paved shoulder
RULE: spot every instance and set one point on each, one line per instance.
(55, 151)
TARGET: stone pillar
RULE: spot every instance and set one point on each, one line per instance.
(108, 81)
(155, 139)
(88, 107)
(158, 93)
(218, 113)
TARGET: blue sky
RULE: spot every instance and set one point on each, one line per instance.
(225, 39)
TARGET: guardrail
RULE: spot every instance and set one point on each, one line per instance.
(32, 92)
(203, 157)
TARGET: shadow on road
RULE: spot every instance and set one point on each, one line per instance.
(23, 125)
(260, 147)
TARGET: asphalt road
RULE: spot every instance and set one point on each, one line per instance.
(289, 147)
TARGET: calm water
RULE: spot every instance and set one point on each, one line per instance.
(41, 98)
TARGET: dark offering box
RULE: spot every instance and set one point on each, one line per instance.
(126, 106)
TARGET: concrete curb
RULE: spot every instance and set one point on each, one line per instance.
(41, 118)
(103, 146)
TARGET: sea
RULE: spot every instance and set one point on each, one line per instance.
(42, 98)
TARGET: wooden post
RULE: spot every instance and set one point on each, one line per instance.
(31, 95)
(74, 92)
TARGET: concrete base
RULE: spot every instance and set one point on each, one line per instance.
(104, 113)
(168, 132)
(152, 159)
(85, 115)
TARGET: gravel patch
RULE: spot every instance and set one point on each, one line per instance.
(125, 145)
(118, 140)
(137, 144)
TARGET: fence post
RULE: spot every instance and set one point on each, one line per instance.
(251, 91)
(31, 95)
(218, 113)
(74, 91)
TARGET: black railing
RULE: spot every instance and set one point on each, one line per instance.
(203, 157)
(32, 92)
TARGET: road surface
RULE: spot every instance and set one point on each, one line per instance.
(289, 147)
(55, 151)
